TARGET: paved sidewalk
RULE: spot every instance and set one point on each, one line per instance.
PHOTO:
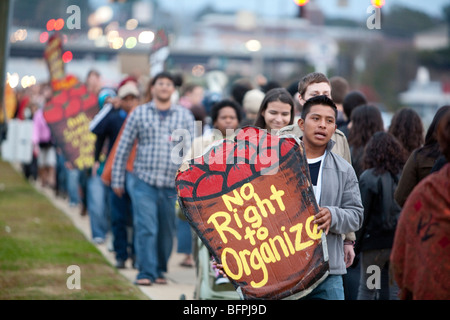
(181, 280)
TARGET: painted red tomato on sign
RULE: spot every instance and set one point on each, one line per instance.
(251, 203)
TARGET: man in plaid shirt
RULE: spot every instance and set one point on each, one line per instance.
(162, 130)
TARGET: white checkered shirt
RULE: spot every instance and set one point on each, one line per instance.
(158, 155)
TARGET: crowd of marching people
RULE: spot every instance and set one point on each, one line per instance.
(375, 171)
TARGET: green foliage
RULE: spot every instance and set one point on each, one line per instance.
(404, 22)
(436, 59)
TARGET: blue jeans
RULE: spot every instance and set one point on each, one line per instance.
(332, 288)
(121, 219)
(184, 237)
(154, 226)
(73, 186)
(97, 206)
(61, 173)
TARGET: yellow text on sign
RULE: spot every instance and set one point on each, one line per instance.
(270, 249)
(80, 137)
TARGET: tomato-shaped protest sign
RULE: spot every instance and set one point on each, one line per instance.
(68, 114)
(252, 204)
(70, 110)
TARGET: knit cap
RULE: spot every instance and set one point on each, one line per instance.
(252, 100)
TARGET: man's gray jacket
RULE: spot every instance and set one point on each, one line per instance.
(340, 194)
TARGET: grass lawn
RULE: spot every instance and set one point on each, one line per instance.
(38, 243)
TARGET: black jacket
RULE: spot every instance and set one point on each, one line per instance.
(377, 194)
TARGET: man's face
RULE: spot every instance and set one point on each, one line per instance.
(163, 89)
(316, 89)
(319, 125)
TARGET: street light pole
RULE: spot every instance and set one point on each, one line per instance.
(5, 18)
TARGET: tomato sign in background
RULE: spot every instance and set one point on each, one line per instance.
(68, 115)
(251, 203)
(70, 109)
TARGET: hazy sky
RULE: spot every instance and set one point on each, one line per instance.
(354, 9)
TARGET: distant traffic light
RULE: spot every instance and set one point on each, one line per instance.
(378, 3)
(51, 25)
(56, 25)
(59, 24)
(301, 3)
(301, 8)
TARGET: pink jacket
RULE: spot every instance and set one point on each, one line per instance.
(41, 131)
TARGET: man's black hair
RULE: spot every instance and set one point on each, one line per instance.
(318, 100)
(163, 74)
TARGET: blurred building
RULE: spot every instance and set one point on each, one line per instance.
(426, 96)
(436, 38)
(250, 45)
(238, 43)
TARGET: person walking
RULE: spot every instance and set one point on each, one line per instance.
(107, 127)
(407, 127)
(383, 161)
(364, 122)
(45, 149)
(420, 257)
(421, 160)
(97, 194)
(336, 189)
(152, 184)
(311, 85)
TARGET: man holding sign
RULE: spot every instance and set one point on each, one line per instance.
(335, 187)
(336, 191)
(251, 202)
